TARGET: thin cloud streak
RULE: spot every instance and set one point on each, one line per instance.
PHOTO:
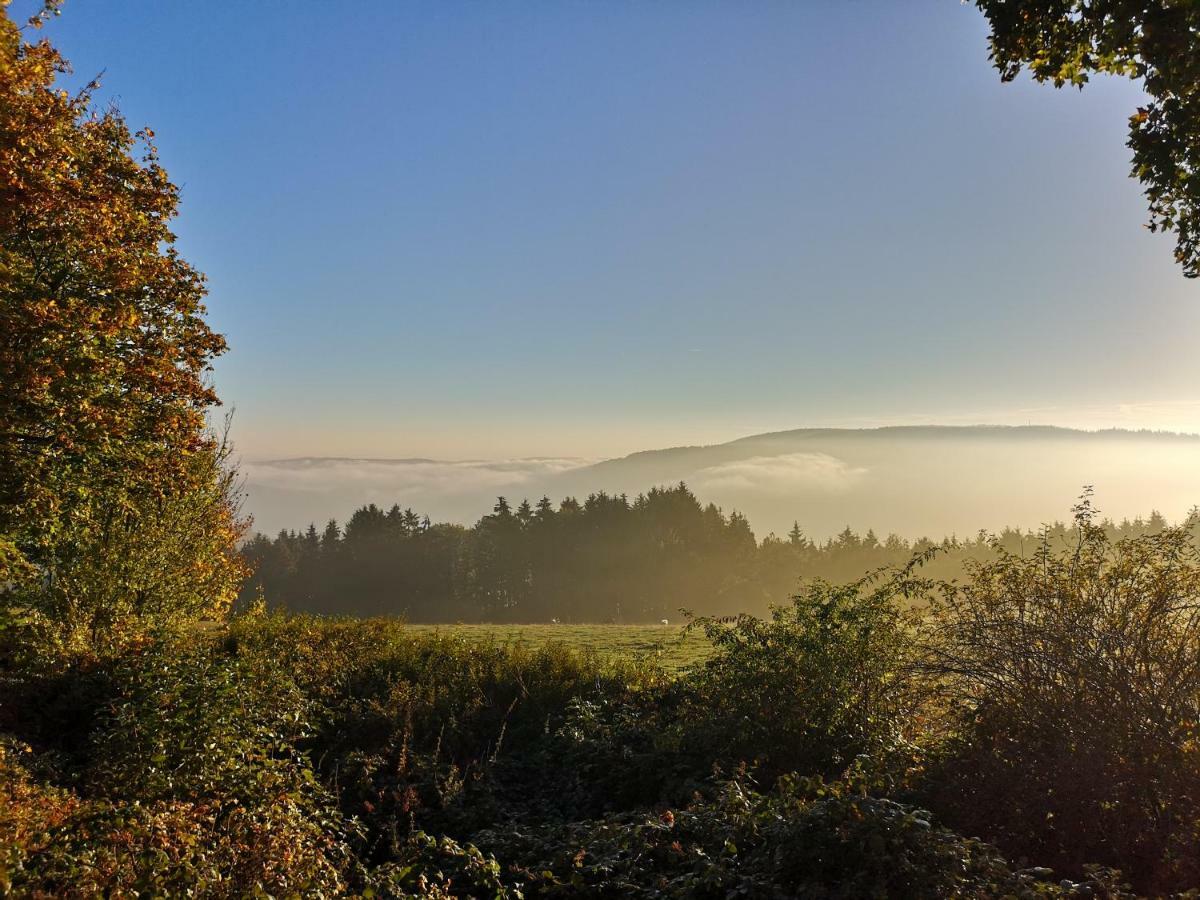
(405, 476)
(791, 471)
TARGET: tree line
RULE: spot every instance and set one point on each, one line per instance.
(608, 558)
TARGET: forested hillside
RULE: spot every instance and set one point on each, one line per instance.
(606, 559)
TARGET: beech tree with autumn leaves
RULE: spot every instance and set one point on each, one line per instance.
(116, 503)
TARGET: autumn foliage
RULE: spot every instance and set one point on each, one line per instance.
(103, 353)
(846, 747)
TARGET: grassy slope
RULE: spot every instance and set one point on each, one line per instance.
(673, 648)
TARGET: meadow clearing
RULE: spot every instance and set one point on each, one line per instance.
(673, 647)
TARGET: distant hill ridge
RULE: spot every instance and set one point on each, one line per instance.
(1019, 432)
(911, 479)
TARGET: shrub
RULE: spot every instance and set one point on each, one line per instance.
(431, 732)
(1076, 676)
(823, 681)
(190, 721)
(29, 812)
(296, 756)
(435, 868)
(179, 774)
(805, 838)
(141, 559)
(171, 849)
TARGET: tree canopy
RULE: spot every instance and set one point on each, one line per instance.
(1157, 41)
(104, 354)
(605, 559)
(103, 344)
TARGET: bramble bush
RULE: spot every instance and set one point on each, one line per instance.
(804, 838)
(177, 769)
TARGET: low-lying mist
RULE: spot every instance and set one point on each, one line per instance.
(909, 481)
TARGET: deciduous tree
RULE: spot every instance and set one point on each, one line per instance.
(1155, 41)
(104, 348)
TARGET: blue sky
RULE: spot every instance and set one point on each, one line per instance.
(493, 229)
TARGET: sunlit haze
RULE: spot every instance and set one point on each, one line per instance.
(491, 231)
(600, 448)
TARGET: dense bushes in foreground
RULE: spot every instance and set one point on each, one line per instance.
(1047, 706)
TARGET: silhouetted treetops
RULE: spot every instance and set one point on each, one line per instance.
(606, 559)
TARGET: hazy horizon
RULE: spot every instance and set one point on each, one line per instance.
(513, 230)
(913, 481)
(1132, 430)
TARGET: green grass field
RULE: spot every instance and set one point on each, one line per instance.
(669, 644)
